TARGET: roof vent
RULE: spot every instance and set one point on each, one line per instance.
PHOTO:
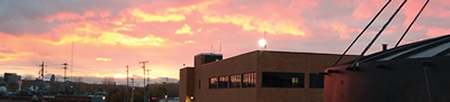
(204, 58)
(384, 46)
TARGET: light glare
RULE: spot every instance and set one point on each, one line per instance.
(262, 43)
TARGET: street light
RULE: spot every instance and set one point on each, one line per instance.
(262, 43)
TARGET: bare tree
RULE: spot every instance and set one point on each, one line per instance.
(28, 78)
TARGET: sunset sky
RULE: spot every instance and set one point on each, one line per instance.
(111, 34)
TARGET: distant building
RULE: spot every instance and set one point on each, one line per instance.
(2, 81)
(11, 77)
(257, 76)
(52, 78)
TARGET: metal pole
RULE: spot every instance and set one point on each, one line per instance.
(148, 84)
(42, 70)
(145, 88)
(71, 65)
(65, 87)
(409, 27)
(379, 33)
(370, 23)
(126, 97)
(132, 91)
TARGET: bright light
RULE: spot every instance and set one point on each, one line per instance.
(103, 97)
(262, 43)
(192, 97)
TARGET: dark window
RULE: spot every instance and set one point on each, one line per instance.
(223, 82)
(199, 84)
(213, 83)
(276, 79)
(249, 79)
(235, 81)
(316, 80)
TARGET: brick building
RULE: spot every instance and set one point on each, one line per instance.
(257, 76)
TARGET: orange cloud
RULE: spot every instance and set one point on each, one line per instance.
(96, 35)
(12, 56)
(184, 30)
(113, 38)
(99, 76)
(188, 9)
(142, 16)
(102, 59)
(169, 14)
(261, 25)
(342, 29)
(189, 42)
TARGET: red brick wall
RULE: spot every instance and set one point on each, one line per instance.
(256, 61)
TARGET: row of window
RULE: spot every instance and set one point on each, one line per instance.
(269, 79)
(233, 81)
(293, 80)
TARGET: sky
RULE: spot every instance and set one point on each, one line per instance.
(108, 35)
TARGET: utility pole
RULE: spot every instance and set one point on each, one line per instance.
(126, 97)
(65, 67)
(71, 65)
(148, 80)
(165, 91)
(42, 70)
(65, 93)
(132, 91)
(145, 88)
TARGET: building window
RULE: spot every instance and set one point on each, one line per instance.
(249, 79)
(294, 81)
(213, 83)
(316, 80)
(223, 82)
(276, 79)
(235, 81)
(199, 84)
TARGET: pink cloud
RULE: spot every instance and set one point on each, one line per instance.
(434, 32)
(342, 29)
(362, 11)
(411, 9)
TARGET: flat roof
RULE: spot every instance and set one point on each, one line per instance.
(271, 51)
(187, 68)
(425, 49)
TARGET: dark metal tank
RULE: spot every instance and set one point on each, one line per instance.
(416, 72)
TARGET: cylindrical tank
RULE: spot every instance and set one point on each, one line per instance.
(3, 90)
(410, 80)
